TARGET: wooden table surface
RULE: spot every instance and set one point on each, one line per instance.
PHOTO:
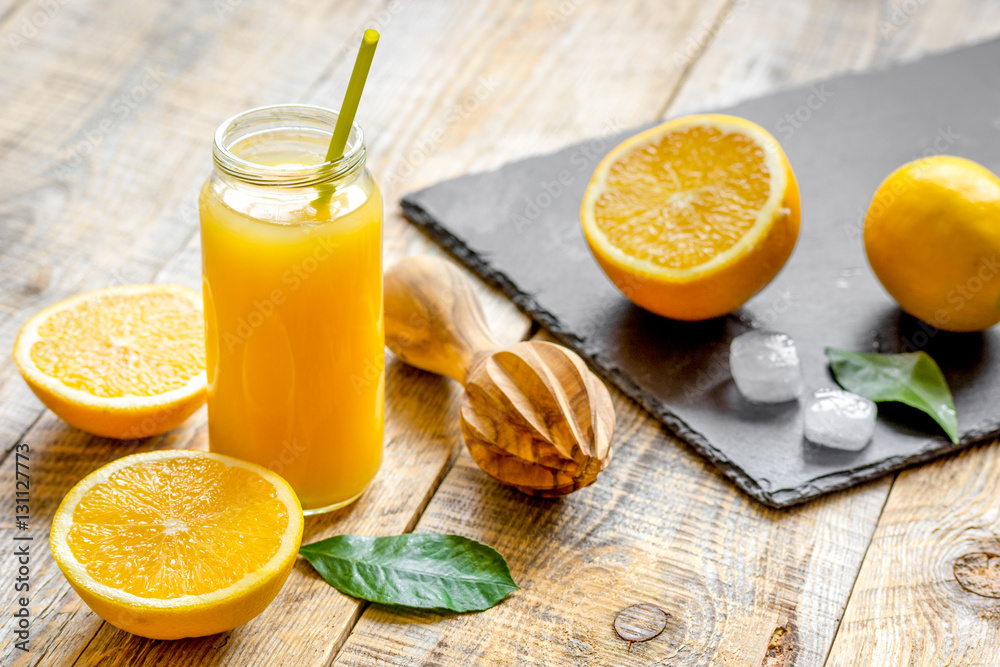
(105, 136)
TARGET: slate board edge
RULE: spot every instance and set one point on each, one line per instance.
(528, 305)
(779, 498)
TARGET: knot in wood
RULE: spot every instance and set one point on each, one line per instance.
(640, 623)
(979, 573)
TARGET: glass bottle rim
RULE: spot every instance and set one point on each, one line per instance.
(259, 123)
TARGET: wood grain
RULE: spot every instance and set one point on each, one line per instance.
(658, 527)
(907, 607)
(85, 204)
(744, 585)
(433, 320)
(421, 436)
(533, 415)
(102, 139)
(419, 450)
(768, 45)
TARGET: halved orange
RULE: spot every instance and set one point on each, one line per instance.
(693, 217)
(122, 362)
(175, 543)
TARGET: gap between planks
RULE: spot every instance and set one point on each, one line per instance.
(535, 329)
(857, 573)
(156, 275)
(164, 265)
(432, 489)
(864, 557)
(9, 13)
(21, 436)
(341, 56)
(723, 14)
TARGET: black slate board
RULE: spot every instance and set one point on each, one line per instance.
(518, 227)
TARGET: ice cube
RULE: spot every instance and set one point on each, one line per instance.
(839, 419)
(765, 366)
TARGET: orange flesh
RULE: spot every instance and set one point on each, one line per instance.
(706, 187)
(174, 527)
(123, 345)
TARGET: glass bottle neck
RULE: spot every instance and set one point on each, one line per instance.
(285, 146)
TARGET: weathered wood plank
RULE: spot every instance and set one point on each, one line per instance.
(744, 585)
(421, 435)
(523, 78)
(177, 131)
(766, 45)
(416, 462)
(61, 625)
(659, 527)
(907, 607)
(109, 112)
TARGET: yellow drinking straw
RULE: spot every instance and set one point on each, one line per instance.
(345, 119)
(353, 96)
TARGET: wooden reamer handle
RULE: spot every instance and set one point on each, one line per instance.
(433, 319)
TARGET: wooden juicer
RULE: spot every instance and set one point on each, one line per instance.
(533, 415)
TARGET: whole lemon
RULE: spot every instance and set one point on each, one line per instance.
(932, 236)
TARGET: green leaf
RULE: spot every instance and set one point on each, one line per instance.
(912, 378)
(415, 570)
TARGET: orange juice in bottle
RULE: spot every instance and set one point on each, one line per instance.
(292, 265)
